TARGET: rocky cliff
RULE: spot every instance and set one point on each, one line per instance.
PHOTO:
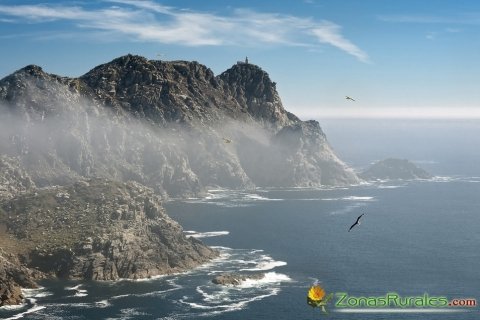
(85, 162)
(172, 126)
(13, 277)
(92, 229)
(101, 230)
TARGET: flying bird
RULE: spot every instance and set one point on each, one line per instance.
(227, 140)
(348, 98)
(356, 222)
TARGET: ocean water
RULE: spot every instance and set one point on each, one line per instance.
(415, 238)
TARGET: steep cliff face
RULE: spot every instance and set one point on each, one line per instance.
(256, 94)
(13, 277)
(172, 126)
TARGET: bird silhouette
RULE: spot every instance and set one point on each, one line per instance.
(356, 222)
(348, 98)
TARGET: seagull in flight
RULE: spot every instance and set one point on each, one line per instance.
(349, 98)
(356, 222)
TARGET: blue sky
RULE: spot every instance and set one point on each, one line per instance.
(406, 58)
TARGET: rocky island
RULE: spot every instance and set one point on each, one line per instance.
(394, 169)
(234, 279)
(85, 163)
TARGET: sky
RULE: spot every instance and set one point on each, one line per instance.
(397, 59)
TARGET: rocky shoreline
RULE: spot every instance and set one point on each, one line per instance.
(95, 229)
(86, 162)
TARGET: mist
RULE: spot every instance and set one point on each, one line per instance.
(61, 136)
(442, 147)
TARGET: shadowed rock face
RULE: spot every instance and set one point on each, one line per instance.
(162, 124)
(14, 276)
(395, 169)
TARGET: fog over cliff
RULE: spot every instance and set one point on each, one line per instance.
(85, 163)
(172, 126)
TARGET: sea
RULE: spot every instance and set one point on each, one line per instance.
(416, 239)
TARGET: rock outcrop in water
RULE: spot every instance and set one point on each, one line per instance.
(234, 279)
(395, 169)
(162, 124)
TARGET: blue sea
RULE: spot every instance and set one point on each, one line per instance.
(416, 238)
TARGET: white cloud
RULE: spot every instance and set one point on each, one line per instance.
(328, 32)
(144, 20)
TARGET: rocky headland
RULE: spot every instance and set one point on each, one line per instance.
(164, 125)
(85, 163)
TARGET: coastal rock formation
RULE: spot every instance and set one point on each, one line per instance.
(13, 178)
(394, 169)
(101, 230)
(234, 279)
(164, 125)
(14, 277)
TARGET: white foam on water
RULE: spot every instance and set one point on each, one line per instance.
(390, 187)
(210, 299)
(42, 294)
(81, 293)
(269, 278)
(257, 197)
(78, 286)
(209, 234)
(228, 307)
(358, 198)
(231, 198)
(443, 179)
(102, 304)
(35, 308)
(28, 293)
(266, 263)
(13, 307)
(32, 293)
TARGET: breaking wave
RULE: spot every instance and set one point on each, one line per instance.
(209, 234)
(233, 198)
